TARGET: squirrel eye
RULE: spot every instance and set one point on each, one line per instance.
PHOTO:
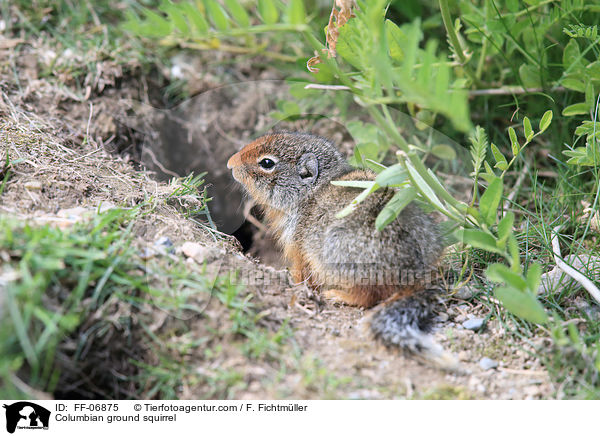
(266, 163)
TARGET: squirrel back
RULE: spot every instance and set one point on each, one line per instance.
(290, 175)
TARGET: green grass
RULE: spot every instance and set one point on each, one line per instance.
(87, 263)
(65, 286)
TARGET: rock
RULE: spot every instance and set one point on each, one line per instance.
(147, 253)
(33, 185)
(556, 280)
(165, 241)
(107, 205)
(199, 253)
(532, 392)
(473, 324)
(442, 317)
(463, 356)
(164, 245)
(460, 318)
(592, 311)
(466, 292)
(487, 363)
(73, 213)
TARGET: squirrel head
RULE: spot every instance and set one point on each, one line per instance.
(280, 169)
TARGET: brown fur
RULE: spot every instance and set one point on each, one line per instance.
(319, 246)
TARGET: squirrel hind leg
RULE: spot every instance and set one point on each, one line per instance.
(348, 297)
(368, 295)
(404, 323)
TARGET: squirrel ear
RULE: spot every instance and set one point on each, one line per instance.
(308, 168)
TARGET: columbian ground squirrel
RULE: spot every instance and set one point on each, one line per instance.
(289, 174)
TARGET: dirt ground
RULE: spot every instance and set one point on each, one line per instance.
(83, 151)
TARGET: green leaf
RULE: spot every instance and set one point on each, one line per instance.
(530, 76)
(362, 132)
(545, 121)
(296, 12)
(488, 204)
(159, 25)
(489, 172)
(572, 59)
(527, 129)
(479, 146)
(590, 94)
(522, 304)
(500, 273)
(534, 275)
(176, 16)
(444, 151)
(396, 39)
(578, 156)
(512, 5)
(392, 176)
(513, 249)
(238, 12)
(588, 128)
(423, 187)
(576, 109)
(198, 21)
(217, 14)
(290, 108)
(505, 226)
(392, 209)
(349, 50)
(268, 11)
(364, 151)
(502, 166)
(593, 70)
(574, 84)
(498, 155)
(478, 239)
(514, 143)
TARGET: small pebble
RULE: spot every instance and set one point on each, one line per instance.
(466, 292)
(199, 252)
(164, 245)
(73, 213)
(164, 241)
(33, 185)
(473, 324)
(147, 253)
(463, 356)
(460, 318)
(487, 363)
(442, 317)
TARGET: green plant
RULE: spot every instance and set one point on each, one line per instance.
(211, 25)
(91, 260)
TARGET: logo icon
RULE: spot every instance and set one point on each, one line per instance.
(26, 415)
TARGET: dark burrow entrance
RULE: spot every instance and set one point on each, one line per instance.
(199, 135)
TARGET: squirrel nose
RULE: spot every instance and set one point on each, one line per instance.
(233, 161)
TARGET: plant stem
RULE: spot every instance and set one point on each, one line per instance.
(260, 50)
(454, 41)
(451, 31)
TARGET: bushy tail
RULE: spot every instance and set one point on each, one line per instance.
(405, 323)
